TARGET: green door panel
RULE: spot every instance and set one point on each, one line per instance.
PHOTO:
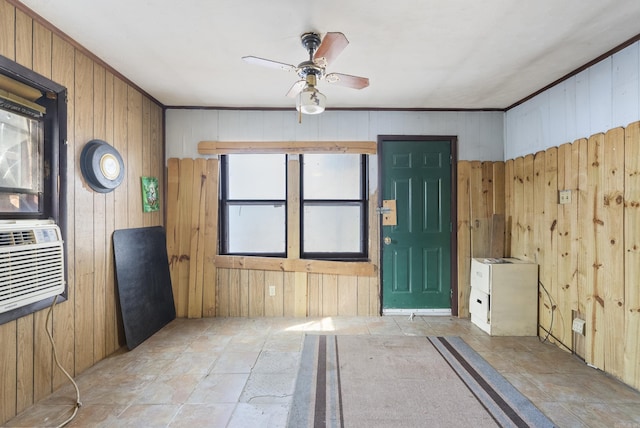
(416, 264)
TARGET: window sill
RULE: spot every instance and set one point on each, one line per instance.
(297, 265)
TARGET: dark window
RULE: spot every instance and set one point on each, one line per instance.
(334, 206)
(33, 132)
(253, 206)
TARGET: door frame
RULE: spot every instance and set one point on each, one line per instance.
(454, 208)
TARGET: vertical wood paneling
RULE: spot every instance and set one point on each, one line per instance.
(329, 300)
(222, 297)
(231, 294)
(594, 235)
(100, 218)
(528, 214)
(480, 220)
(291, 299)
(348, 295)
(112, 336)
(84, 262)
(172, 234)
(24, 39)
(25, 360)
(612, 246)
(315, 295)
(364, 296)
(631, 374)
(183, 231)
(8, 360)
(508, 206)
(583, 231)
(62, 71)
(87, 326)
(464, 238)
(274, 305)
(120, 195)
(43, 358)
(7, 30)
(498, 187)
(147, 219)
(538, 233)
(24, 325)
(244, 292)
(196, 250)
(517, 234)
(157, 168)
(134, 157)
(210, 239)
(256, 293)
(549, 268)
(566, 277)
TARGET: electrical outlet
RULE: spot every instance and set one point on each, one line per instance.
(564, 196)
(578, 326)
(272, 290)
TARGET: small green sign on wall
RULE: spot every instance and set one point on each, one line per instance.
(150, 194)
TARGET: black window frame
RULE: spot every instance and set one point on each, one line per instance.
(54, 205)
(225, 202)
(363, 203)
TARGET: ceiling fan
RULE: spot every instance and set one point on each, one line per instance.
(322, 51)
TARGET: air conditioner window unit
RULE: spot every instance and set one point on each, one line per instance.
(31, 263)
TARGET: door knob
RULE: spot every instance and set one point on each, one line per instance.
(387, 240)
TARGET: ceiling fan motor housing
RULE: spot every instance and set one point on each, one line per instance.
(311, 41)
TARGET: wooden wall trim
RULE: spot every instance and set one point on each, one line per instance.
(289, 147)
(297, 265)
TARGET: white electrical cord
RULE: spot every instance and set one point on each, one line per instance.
(55, 357)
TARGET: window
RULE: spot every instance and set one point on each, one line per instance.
(33, 131)
(21, 152)
(253, 206)
(334, 206)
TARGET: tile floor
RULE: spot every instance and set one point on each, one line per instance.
(235, 372)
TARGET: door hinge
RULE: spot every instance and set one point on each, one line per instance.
(450, 159)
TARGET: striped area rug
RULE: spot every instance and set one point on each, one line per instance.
(403, 381)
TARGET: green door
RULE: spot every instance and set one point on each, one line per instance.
(416, 252)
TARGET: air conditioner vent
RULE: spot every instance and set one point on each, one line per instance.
(16, 237)
(31, 264)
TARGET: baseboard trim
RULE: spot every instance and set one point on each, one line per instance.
(409, 312)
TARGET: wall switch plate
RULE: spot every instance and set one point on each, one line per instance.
(272, 290)
(578, 326)
(564, 196)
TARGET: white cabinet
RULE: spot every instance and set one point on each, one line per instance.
(504, 297)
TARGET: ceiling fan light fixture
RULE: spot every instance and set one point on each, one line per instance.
(310, 101)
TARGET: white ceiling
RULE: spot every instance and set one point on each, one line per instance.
(417, 53)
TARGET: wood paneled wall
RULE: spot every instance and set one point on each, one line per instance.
(206, 284)
(101, 105)
(588, 250)
(481, 230)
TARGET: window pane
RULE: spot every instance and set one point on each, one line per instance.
(331, 228)
(257, 176)
(255, 229)
(332, 176)
(21, 164)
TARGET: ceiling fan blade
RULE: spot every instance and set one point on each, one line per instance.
(331, 46)
(269, 63)
(296, 88)
(355, 82)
